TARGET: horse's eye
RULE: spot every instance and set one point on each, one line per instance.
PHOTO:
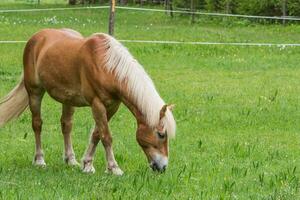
(161, 135)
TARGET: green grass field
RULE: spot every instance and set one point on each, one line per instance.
(237, 112)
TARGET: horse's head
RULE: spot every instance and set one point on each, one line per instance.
(154, 141)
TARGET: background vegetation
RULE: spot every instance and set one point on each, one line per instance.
(237, 112)
(248, 7)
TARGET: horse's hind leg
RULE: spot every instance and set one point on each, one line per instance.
(87, 161)
(35, 99)
(66, 127)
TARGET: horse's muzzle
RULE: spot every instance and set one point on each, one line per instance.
(156, 167)
(159, 163)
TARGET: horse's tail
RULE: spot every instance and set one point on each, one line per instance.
(14, 103)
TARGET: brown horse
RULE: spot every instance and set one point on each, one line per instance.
(98, 72)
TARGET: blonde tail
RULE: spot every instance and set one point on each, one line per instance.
(14, 103)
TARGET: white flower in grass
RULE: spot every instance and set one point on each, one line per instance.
(51, 20)
(281, 47)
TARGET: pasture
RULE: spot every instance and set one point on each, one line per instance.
(237, 112)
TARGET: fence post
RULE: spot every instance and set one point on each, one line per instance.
(192, 10)
(111, 22)
(227, 6)
(166, 2)
(283, 11)
(171, 8)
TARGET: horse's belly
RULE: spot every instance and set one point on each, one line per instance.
(61, 80)
(67, 96)
(66, 90)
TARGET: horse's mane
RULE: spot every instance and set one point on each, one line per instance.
(139, 84)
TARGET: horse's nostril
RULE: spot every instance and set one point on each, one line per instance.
(154, 167)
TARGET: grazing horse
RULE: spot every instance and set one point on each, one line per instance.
(97, 71)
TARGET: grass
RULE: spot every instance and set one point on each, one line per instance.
(237, 112)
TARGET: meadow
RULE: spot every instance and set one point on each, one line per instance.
(237, 112)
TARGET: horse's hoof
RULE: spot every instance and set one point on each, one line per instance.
(115, 171)
(72, 162)
(88, 168)
(39, 163)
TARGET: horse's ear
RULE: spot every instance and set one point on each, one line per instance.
(164, 110)
(171, 107)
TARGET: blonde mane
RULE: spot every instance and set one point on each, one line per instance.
(140, 85)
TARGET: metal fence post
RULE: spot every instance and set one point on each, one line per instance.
(192, 12)
(111, 22)
(283, 11)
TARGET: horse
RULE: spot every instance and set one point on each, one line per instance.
(99, 72)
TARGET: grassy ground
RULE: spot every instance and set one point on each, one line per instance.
(238, 113)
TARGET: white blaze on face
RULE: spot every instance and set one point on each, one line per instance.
(160, 160)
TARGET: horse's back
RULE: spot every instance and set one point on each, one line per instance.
(71, 33)
(39, 44)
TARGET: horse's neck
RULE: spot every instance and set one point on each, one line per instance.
(129, 103)
(145, 103)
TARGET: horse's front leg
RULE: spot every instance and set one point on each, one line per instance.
(87, 160)
(112, 165)
(101, 132)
